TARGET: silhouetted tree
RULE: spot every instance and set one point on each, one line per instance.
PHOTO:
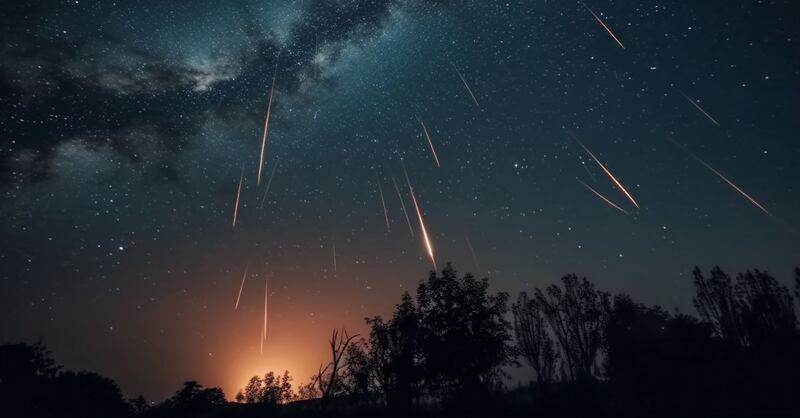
(797, 283)
(193, 399)
(138, 405)
(329, 377)
(357, 373)
(276, 389)
(25, 372)
(270, 390)
(716, 302)
(576, 315)
(309, 390)
(464, 334)
(394, 354)
(252, 391)
(86, 394)
(766, 308)
(534, 340)
(660, 365)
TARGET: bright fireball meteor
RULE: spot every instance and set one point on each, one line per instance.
(422, 227)
(602, 197)
(735, 187)
(611, 176)
(600, 21)
(430, 143)
(238, 194)
(714, 121)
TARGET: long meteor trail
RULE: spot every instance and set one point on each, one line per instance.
(472, 251)
(602, 197)
(403, 205)
(426, 239)
(238, 195)
(463, 80)
(714, 121)
(735, 187)
(718, 174)
(430, 143)
(383, 204)
(264, 329)
(600, 21)
(266, 125)
(241, 287)
(333, 245)
(611, 176)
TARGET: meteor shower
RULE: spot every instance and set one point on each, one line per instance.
(399, 208)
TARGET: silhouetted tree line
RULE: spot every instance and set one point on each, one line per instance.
(443, 352)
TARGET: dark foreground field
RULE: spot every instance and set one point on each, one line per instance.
(445, 351)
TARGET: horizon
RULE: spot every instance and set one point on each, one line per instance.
(517, 374)
(205, 190)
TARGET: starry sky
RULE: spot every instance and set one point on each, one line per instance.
(125, 128)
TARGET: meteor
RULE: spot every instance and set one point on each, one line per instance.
(611, 176)
(463, 80)
(472, 251)
(725, 179)
(383, 203)
(597, 18)
(403, 205)
(269, 182)
(700, 109)
(333, 245)
(730, 183)
(602, 197)
(264, 330)
(238, 194)
(430, 143)
(266, 124)
(241, 287)
(425, 237)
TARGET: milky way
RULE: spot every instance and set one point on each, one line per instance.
(124, 127)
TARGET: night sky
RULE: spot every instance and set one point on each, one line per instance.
(125, 128)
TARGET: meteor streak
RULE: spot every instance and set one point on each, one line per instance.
(602, 197)
(383, 203)
(403, 205)
(269, 182)
(611, 176)
(238, 194)
(463, 80)
(472, 251)
(266, 125)
(597, 18)
(333, 244)
(425, 237)
(264, 330)
(714, 121)
(241, 287)
(730, 183)
(430, 143)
